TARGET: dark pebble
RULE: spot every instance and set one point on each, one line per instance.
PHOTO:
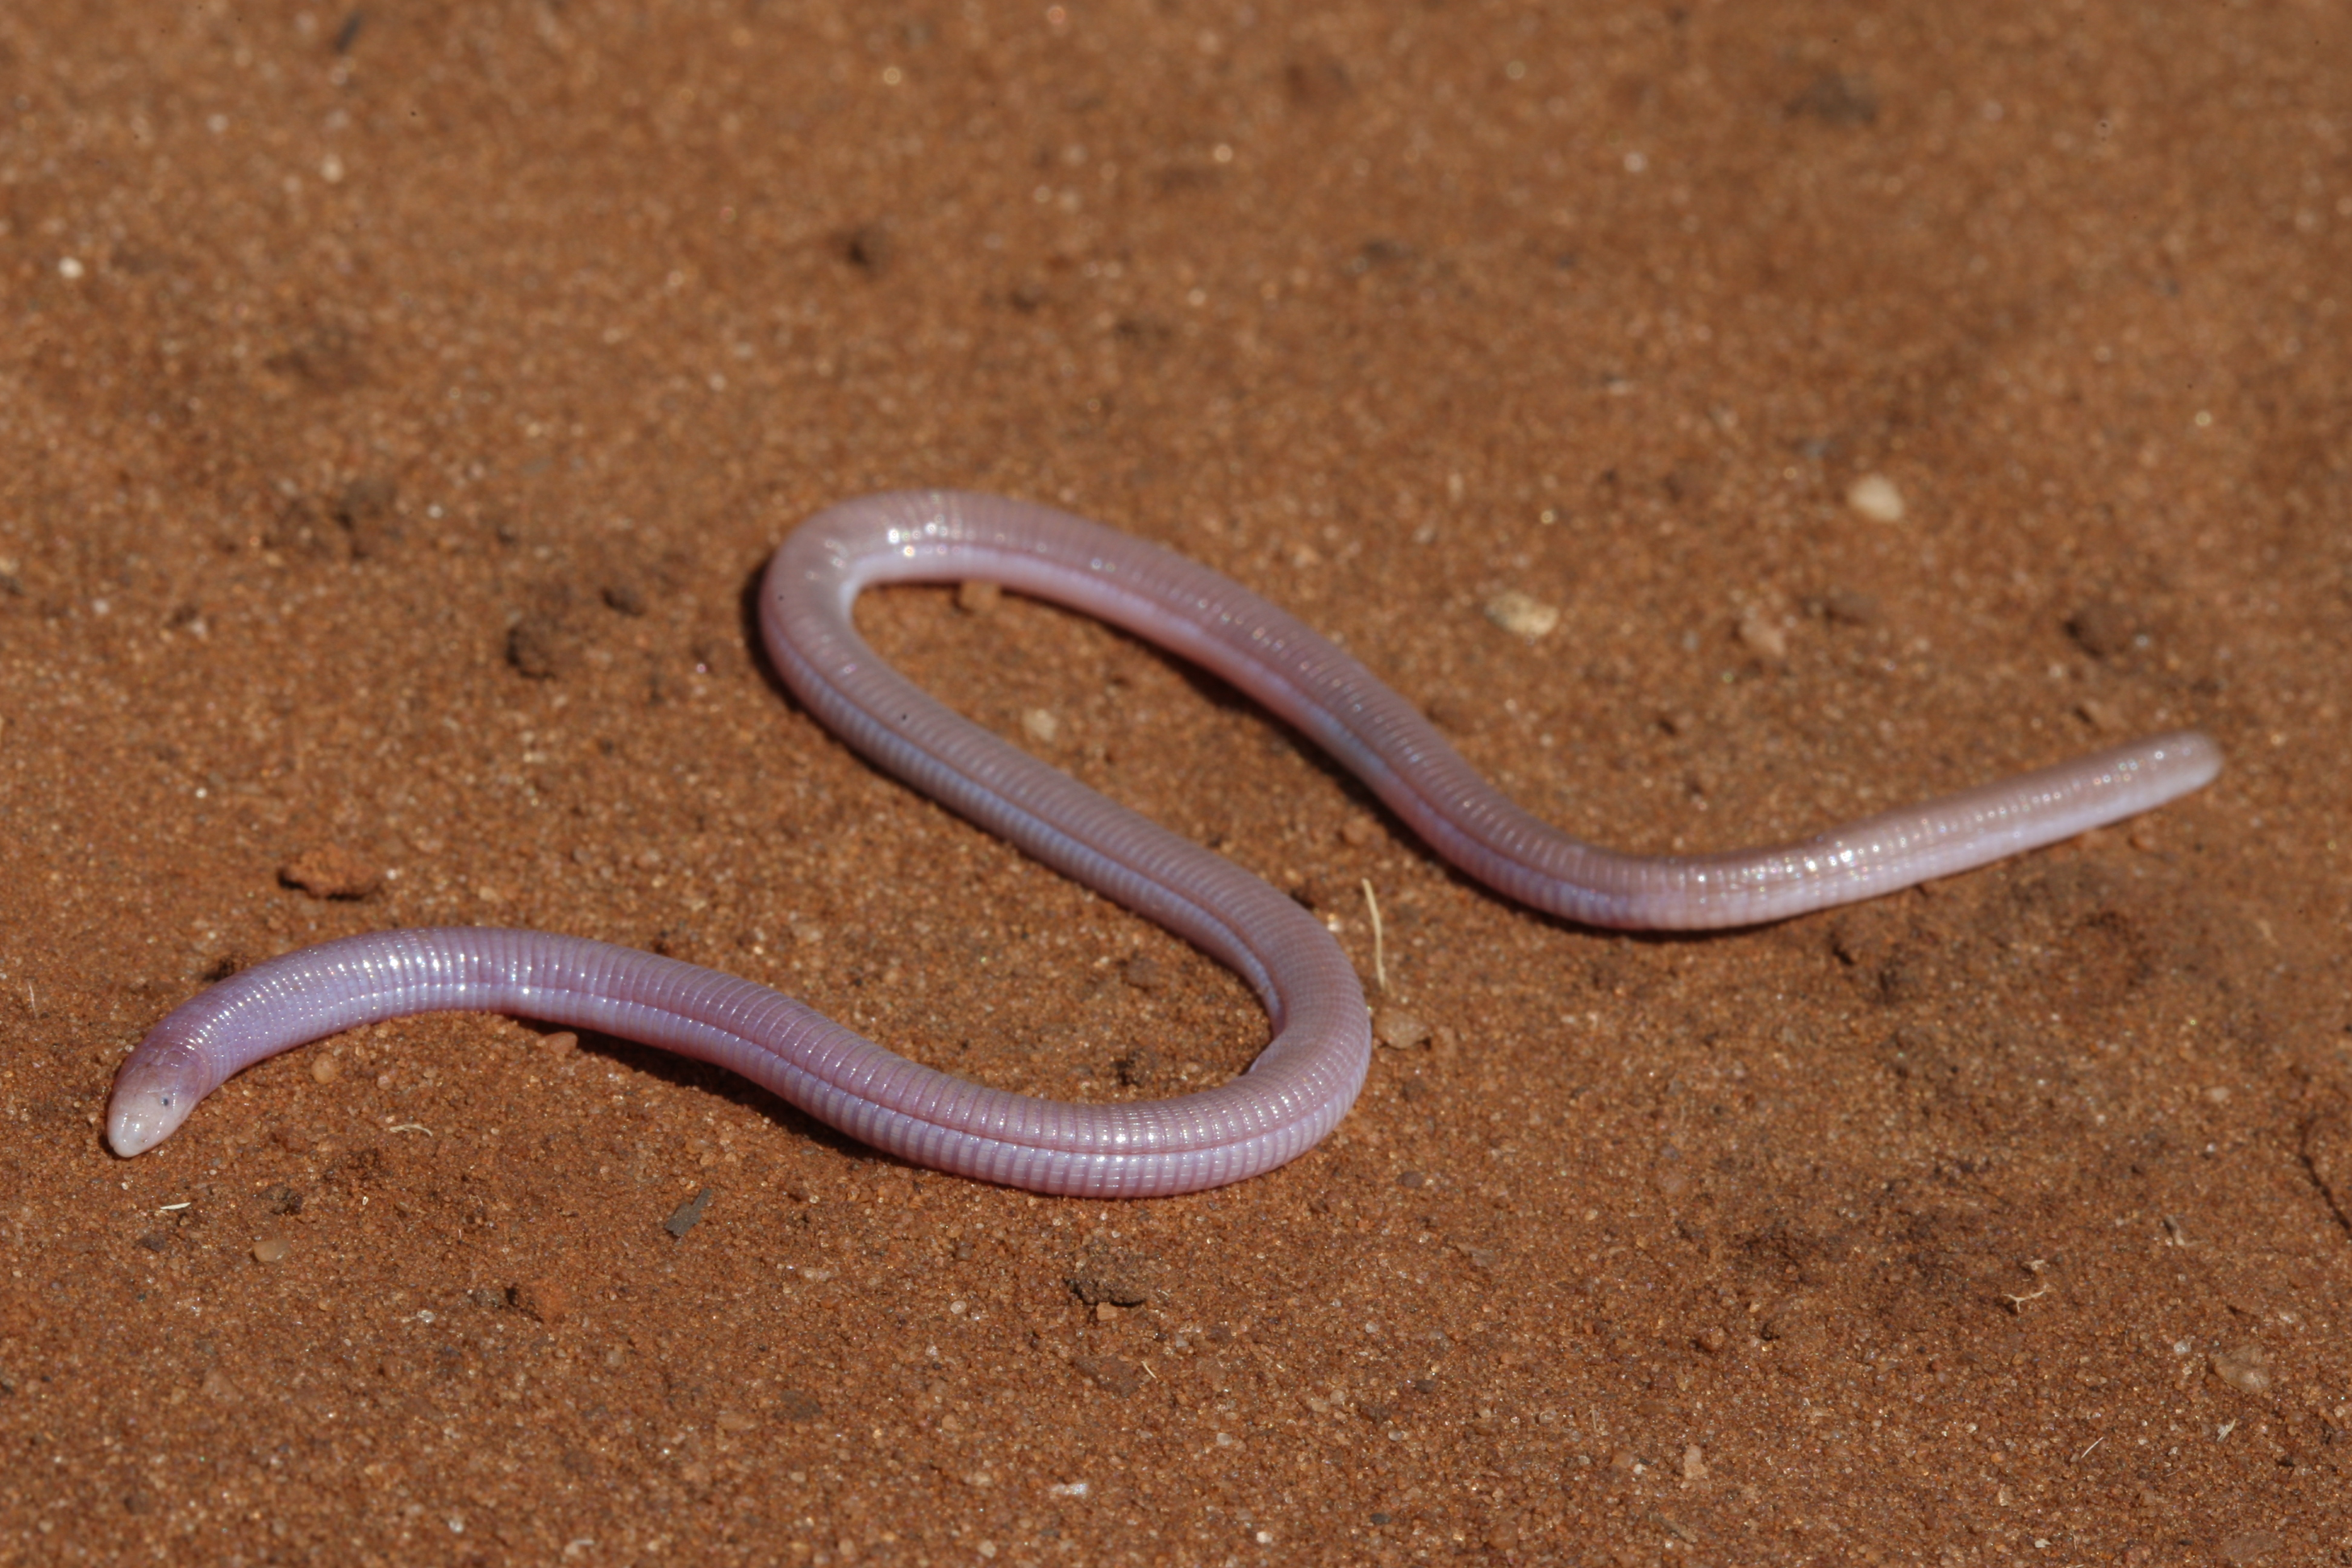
(868, 249)
(1328, 895)
(2103, 628)
(1411, 1179)
(688, 1214)
(1141, 1067)
(628, 601)
(1316, 80)
(794, 1406)
(1451, 714)
(1836, 98)
(536, 647)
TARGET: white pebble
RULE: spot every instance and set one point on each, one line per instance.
(1875, 497)
(1520, 615)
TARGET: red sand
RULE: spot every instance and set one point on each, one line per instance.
(395, 409)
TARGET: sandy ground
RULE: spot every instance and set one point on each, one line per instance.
(397, 407)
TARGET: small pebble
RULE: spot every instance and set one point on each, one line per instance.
(1138, 1068)
(688, 1214)
(1328, 895)
(270, 1251)
(2244, 1367)
(537, 646)
(331, 871)
(1451, 714)
(368, 508)
(540, 1301)
(562, 1042)
(1875, 497)
(735, 1421)
(1762, 636)
(1357, 831)
(2251, 1546)
(625, 600)
(1520, 615)
(1105, 1276)
(1795, 1320)
(1039, 726)
(1694, 1463)
(2100, 715)
(868, 247)
(1399, 1030)
(1114, 1376)
(978, 598)
(1711, 1340)
(325, 1069)
(1846, 608)
(2103, 628)
(1144, 972)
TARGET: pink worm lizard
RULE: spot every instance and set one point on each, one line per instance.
(1309, 1074)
